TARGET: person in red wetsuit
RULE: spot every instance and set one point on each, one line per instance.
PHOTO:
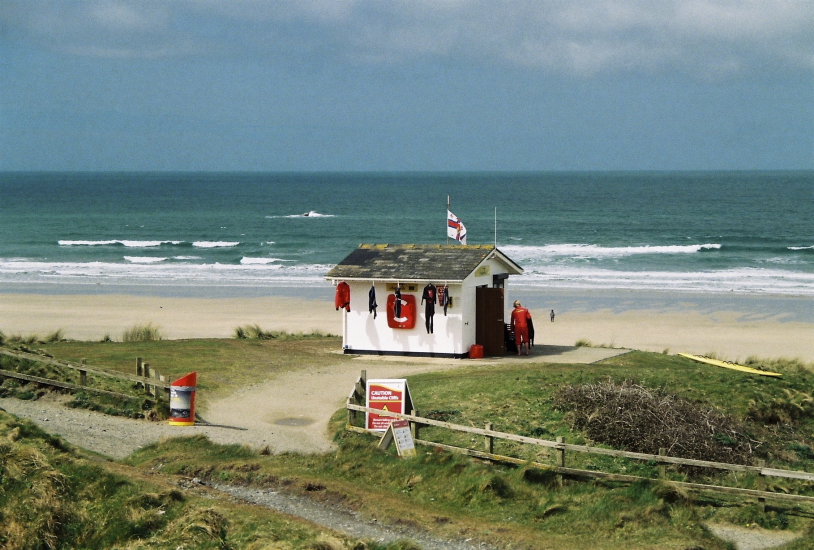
(520, 326)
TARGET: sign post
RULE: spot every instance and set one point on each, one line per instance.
(399, 432)
(390, 395)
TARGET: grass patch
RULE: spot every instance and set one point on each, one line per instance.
(583, 343)
(142, 333)
(517, 506)
(254, 332)
(138, 405)
(223, 365)
(52, 497)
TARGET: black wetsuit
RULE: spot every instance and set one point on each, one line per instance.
(430, 295)
(397, 305)
(371, 300)
(444, 299)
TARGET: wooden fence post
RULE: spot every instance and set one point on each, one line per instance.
(414, 425)
(358, 397)
(146, 372)
(662, 465)
(139, 371)
(489, 443)
(157, 389)
(761, 485)
(560, 453)
(83, 378)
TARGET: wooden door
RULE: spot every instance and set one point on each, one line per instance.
(489, 323)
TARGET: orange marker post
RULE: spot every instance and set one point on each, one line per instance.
(182, 400)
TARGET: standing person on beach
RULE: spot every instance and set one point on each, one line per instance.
(552, 315)
(520, 326)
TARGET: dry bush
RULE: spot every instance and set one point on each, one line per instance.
(635, 418)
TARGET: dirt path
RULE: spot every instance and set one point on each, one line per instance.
(288, 412)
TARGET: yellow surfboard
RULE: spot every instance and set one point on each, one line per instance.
(728, 365)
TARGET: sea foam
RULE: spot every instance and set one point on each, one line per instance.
(215, 244)
(595, 251)
(126, 243)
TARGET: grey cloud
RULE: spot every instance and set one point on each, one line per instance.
(587, 37)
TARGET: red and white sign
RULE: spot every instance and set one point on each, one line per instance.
(407, 313)
(386, 395)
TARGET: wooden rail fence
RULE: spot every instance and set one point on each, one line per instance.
(355, 405)
(150, 379)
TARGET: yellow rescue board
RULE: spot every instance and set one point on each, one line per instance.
(728, 365)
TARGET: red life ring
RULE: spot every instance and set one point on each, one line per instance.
(408, 309)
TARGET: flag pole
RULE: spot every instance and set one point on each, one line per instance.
(495, 227)
(446, 220)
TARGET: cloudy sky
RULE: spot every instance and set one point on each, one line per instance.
(406, 85)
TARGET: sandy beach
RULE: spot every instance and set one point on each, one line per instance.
(747, 328)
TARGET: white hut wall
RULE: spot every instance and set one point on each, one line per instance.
(365, 333)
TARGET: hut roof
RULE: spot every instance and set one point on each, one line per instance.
(417, 262)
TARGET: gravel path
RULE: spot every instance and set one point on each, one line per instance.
(286, 413)
(343, 520)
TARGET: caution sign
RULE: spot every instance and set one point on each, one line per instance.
(399, 432)
(390, 395)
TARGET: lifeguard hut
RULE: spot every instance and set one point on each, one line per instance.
(470, 281)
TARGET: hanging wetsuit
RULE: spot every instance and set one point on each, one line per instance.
(430, 295)
(371, 300)
(444, 299)
(397, 304)
(342, 298)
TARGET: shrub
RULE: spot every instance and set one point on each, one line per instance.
(254, 332)
(142, 333)
(583, 343)
(56, 336)
(632, 417)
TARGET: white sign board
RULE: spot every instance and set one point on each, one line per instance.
(399, 431)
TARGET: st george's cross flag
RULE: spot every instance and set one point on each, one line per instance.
(455, 228)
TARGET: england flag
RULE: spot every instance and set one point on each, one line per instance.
(455, 228)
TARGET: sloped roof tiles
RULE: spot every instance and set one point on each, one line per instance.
(422, 262)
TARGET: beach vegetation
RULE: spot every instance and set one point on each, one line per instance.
(56, 336)
(583, 343)
(19, 340)
(55, 496)
(2, 338)
(506, 504)
(129, 400)
(254, 332)
(147, 332)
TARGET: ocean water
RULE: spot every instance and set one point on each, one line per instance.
(707, 232)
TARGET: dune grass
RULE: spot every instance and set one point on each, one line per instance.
(53, 497)
(31, 339)
(254, 332)
(142, 333)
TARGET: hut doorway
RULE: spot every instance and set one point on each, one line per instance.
(489, 320)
